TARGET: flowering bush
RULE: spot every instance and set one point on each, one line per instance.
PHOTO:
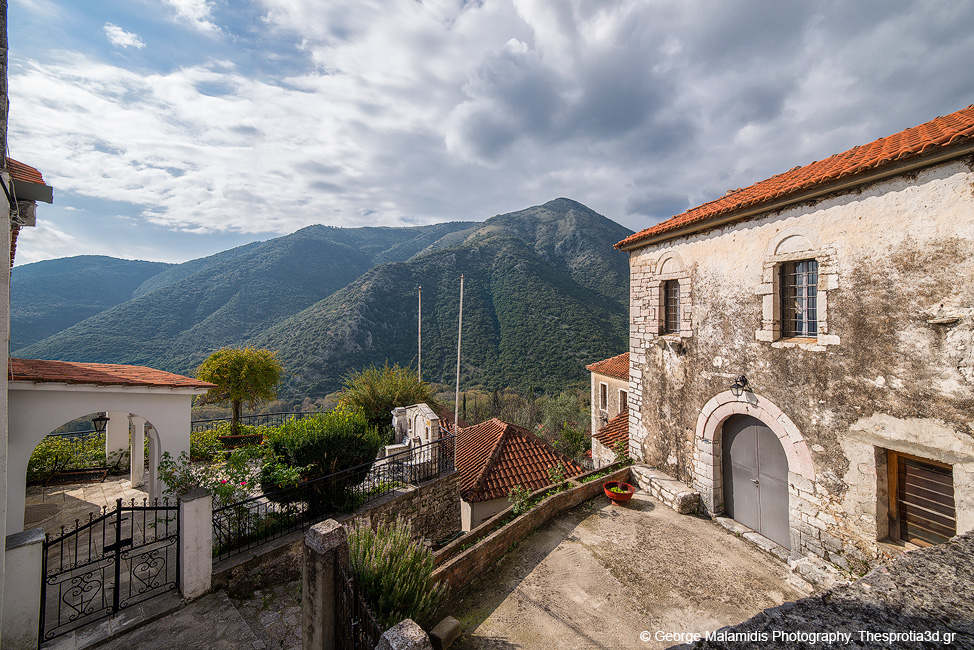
(395, 573)
(230, 476)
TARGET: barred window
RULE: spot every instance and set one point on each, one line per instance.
(671, 306)
(799, 293)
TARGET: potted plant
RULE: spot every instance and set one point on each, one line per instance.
(618, 491)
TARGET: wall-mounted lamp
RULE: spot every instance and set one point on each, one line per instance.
(99, 422)
(739, 386)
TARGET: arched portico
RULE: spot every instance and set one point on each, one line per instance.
(709, 474)
(43, 395)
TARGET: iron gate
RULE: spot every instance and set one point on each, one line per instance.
(112, 561)
(355, 624)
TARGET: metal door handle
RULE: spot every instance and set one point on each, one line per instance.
(755, 481)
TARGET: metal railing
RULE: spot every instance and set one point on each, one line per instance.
(263, 419)
(243, 525)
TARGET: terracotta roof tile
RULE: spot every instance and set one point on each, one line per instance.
(939, 132)
(615, 430)
(25, 173)
(617, 366)
(494, 456)
(100, 374)
(446, 420)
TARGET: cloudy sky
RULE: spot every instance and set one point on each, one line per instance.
(172, 129)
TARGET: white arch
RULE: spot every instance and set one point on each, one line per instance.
(812, 242)
(36, 409)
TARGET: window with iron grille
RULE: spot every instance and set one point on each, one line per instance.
(799, 298)
(671, 306)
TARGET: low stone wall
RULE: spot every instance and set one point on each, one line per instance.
(458, 563)
(666, 489)
(923, 597)
(432, 508)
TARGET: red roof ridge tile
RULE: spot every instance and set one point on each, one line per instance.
(939, 133)
(617, 366)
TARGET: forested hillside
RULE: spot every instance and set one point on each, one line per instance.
(545, 294)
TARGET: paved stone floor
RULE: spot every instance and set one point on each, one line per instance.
(53, 506)
(600, 576)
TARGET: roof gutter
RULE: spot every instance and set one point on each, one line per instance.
(886, 171)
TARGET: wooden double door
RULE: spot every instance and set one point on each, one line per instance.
(755, 472)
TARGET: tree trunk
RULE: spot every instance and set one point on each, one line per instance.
(235, 421)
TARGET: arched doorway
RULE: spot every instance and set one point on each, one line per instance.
(755, 470)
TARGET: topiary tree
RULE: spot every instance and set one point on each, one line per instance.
(376, 391)
(242, 376)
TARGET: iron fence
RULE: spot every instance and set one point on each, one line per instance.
(357, 627)
(263, 419)
(243, 525)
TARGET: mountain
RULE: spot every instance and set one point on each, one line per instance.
(47, 297)
(181, 315)
(544, 294)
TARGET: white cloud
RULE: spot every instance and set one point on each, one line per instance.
(43, 242)
(195, 13)
(445, 109)
(121, 38)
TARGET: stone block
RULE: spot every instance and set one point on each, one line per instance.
(445, 633)
(405, 635)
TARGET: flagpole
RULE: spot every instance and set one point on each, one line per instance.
(456, 399)
(419, 362)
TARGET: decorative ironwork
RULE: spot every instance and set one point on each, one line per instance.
(246, 524)
(357, 627)
(112, 561)
(799, 298)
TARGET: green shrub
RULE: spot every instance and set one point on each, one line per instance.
(204, 445)
(395, 573)
(316, 446)
(519, 498)
(58, 454)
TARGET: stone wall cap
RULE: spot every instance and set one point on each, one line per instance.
(193, 495)
(24, 538)
(325, 536)
(405, 635)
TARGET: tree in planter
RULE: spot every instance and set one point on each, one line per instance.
(242, 376)
(376, 391)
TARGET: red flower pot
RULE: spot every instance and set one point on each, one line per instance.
(619, 497)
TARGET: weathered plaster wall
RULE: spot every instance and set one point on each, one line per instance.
(601, 455)
(893, 367)
(600, 417)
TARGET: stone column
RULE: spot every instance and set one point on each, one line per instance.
(325, 547)
(22, 590)
(155, 455)
(137, 468)
(195, 543)
(116, 435)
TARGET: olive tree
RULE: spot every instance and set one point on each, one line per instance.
(242, 376)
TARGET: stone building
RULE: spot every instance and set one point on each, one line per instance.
(802, 350)
(610, 389)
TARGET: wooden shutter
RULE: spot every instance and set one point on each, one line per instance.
(922, 500)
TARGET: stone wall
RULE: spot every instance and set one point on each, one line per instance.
(927, 591)
(892, 368)
(432, 508)
(458, 563)
(601, 417)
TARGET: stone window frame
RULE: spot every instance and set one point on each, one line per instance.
(796, 244)
(656, 288)
(623, 400)
(603, 397)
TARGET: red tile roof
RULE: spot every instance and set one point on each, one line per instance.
(615, 430)
(494, 456)
(100, 374)
(446, 421)
(25, 173)
(617, 366)
(928, 137)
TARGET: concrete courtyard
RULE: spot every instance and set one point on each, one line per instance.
(605, 576)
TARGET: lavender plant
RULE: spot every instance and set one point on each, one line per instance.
(395, 573)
